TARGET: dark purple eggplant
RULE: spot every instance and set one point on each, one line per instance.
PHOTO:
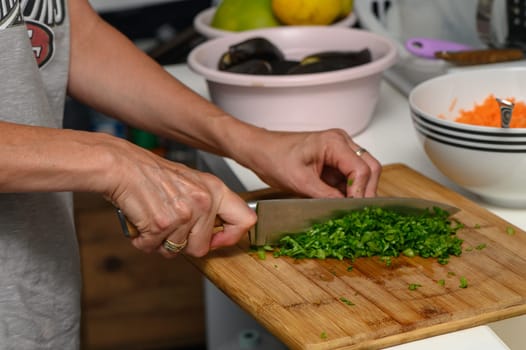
(254, 66)
(262, 67)
(251, 49)
(261, 57)
(331, 60)
(282, 67)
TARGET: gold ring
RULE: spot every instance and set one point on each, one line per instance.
(360, 152)
(217, 229)
(174, 247)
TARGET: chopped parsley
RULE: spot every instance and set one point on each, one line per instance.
(346, 301)
(261, 251)
(510, 230)
(262, 255)
(377, 232)
(414, 286)
(387, 260)
(477, 247)
(463, 282)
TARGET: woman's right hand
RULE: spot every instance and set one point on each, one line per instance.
(165, 200)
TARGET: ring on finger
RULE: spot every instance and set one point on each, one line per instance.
(173, 247)
(360, 152)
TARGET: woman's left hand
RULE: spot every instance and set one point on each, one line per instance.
(317, 164)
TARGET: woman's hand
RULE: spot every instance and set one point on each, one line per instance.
(167, 201)
(316, 164)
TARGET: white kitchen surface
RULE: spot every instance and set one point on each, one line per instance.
(391, 139)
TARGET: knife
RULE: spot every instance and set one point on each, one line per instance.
(484, 56)
(280, 217)
(130, 230)
(460, 54)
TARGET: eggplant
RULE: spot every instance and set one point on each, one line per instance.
(262, 67)
(253, 66)
(282, 67)
(251, 49)
(331, 60)
(261, 57)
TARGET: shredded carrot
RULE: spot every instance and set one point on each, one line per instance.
(488, 114)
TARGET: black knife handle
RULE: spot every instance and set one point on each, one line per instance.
(516, 13)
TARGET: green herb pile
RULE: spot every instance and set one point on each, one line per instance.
(377, 232)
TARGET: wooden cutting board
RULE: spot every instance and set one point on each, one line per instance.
(300, 301)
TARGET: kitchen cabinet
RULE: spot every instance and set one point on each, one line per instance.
(133, 300)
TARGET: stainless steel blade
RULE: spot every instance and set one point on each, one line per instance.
(279, 217)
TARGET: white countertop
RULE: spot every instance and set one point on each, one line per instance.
(391, 139)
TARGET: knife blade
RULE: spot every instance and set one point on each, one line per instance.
(280, 217)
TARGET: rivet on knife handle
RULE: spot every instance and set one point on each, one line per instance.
(131, 231)
(128, 228)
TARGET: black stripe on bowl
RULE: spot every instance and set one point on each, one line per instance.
(424, 125)
(479, 130)
(471, 146)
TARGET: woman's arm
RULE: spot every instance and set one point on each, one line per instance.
(165, 200)
(109, 73)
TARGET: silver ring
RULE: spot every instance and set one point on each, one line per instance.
(360, 152)
(174, 247)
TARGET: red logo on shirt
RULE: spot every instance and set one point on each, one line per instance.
(42, 41)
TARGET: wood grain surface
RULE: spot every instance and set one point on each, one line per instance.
(300, 301)
(132, 300)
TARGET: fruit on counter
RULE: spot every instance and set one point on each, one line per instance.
(310, 12)
(346, 7)
(259, 56)
(239, 15)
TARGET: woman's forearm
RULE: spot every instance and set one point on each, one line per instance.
(39, 159)
(144, 95)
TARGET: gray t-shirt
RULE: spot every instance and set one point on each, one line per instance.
(40, 279)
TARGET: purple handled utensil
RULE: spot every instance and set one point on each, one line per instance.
(427, 47)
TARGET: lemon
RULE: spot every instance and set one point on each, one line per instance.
(238, 15)
(307, 12)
